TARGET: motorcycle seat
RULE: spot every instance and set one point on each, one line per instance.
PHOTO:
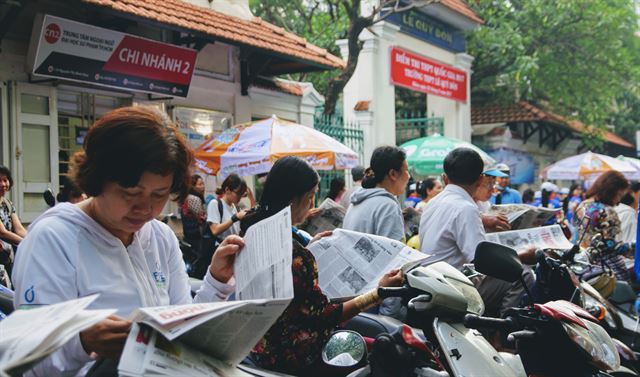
(623, 293)
(372, 325)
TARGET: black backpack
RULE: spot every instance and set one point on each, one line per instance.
(206, 233)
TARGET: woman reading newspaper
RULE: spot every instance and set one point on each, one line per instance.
(294, 343)
(133, 161)
(596, 215)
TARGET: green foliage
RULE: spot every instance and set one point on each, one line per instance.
(626, 118)
(321, 23)
(577, 56)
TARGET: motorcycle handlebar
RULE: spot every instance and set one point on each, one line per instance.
(386, 292)
(474, 321)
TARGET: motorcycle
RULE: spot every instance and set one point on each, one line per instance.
(556, 338)
(438, 297)
(570, 278)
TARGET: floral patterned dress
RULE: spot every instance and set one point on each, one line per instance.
(193, 215)
(295, 341)
(602, 219)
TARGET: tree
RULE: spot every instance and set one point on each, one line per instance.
(333, 20)
(575, 56)
(626, 118)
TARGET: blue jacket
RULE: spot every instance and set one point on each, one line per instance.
(509, 196)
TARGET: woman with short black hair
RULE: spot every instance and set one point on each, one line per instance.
(337, 188)
(133, 161)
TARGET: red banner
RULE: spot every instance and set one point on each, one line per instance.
(418, 73)
(152, 60)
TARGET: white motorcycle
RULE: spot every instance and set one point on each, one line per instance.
(438, 297)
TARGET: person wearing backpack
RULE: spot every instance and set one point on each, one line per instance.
(223, 217)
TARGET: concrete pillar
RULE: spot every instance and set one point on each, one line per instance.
(463, 111)
(365, 120)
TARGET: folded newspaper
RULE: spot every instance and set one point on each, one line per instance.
(351, 263)
(28, 336)
(524, 216)
(546, 237)
(210, 339)
(330, 218)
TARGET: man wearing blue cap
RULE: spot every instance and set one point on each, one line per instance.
(451, 227)
(492, 222)
(505, 194)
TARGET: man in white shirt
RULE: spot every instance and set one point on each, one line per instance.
(626, 211)
(451, 227)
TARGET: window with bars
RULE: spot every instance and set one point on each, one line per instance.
(77, 111)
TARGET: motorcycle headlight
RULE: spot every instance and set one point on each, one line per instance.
(589, 302)
(596, 342)
(475, 304)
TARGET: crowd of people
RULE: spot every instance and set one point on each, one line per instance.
(134, 161)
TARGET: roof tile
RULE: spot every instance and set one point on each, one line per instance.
(255, 32)
(463, 8)
(526, 112)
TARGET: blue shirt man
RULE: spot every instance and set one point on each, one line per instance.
(505, 194)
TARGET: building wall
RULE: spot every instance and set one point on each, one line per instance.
(371, 82)
(217, 91)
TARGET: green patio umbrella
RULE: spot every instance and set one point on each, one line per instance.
(425, 155)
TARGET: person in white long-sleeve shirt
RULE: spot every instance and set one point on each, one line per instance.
(451, 227)
(111, 244)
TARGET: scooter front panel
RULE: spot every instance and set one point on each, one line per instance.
(470, 354)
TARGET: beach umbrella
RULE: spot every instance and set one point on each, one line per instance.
(587, 166)
(632, 161)
(425, 155)
(252, 148)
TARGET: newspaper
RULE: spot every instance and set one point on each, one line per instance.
(330, 218)
(220, 332)
(263, 268)
(147, 353)
(28, 336)
(524, 216)
(546, 237)
(351, 263)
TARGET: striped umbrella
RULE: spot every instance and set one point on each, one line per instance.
(252, 148)
(587, 166)
(425, 155)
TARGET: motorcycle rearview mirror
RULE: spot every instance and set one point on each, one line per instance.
(498, 261)
(49, 198)
(344, 349)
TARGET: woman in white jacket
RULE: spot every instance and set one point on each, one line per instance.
(134, 161)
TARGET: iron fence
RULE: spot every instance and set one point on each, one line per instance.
(349, 134)
(414, 125)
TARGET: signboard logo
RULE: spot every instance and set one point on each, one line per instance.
(52, 33)
(75, 51)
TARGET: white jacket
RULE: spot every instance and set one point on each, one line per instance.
(67, 255)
